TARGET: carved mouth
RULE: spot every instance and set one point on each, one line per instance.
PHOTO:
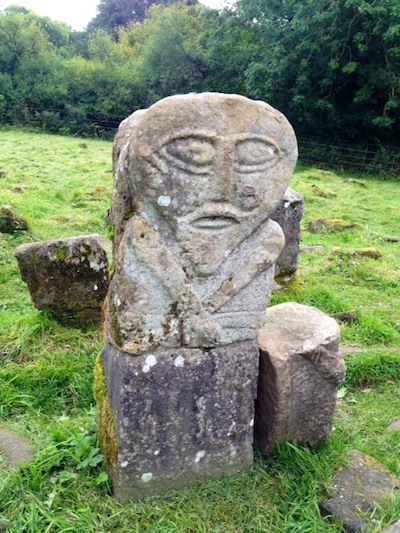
(214, 222)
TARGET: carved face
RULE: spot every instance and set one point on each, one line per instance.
(214, 166)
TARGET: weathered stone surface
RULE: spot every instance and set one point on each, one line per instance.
(318, 249)
(300, 369)
(349, 350)
(14, 449)
(359, 488)
(391, 238)
(395, 426)
(197, 178)
(68, 277)
(10, 221)
(288, 215)
(201, 174)
(181, 416)
(335, 225)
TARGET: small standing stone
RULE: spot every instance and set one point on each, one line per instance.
(10, 221)
(359, 488)
(288, 215)
(300, 369)
(14, 449)
(395, 426)
(68, 277)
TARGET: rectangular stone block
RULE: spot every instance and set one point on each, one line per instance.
(179, 416)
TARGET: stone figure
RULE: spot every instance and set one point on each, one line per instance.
(202, 174)
(196, 180)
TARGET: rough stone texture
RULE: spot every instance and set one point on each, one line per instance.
(14, 449)
(182, 416)
(318, 249)
(196, 178)
(395, 426)
(288, 215)
(359, 488)
(10, 221)
(195, 183)
(68, 277)
(394, 528)
(349, 350)
(300, 369)
(391, 238)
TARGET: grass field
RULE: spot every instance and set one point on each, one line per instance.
(63, 186)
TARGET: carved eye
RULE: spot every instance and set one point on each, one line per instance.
(194, 155)
(255, 155)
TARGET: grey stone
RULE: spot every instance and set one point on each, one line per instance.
(68, 277)
(209, 246)
(300, 369)
(318, 249)
(196, 179)
(14, 449)
(395, 426)
(359, 488)
(10, 221)
(288, 216)
(349, 350)
(182, 416)
(391, 238)
(394, 528)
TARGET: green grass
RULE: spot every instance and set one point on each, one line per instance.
(62, 186)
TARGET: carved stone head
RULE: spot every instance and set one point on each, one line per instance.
(211, 167)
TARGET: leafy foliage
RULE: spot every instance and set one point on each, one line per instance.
(331, 66)
(114, 14)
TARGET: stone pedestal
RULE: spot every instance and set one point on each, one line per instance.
(180, 416)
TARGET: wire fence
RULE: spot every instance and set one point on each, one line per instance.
(371, 159)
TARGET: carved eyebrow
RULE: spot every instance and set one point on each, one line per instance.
(204, 135)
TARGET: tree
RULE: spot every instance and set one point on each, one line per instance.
(114, 14)
(332, 66)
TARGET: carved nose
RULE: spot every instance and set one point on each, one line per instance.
(225, 186)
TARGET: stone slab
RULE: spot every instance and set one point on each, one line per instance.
(14, 449)
(10, 221)
(67, 277)
(182, 416)
(300, 369)
(395, 426)
(362, 485)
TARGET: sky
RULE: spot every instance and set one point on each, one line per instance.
(76, 13)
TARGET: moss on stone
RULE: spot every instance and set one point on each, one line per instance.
(292, 284)
(110, 228)
(113, 321)
(61, 252)
(106, 429)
